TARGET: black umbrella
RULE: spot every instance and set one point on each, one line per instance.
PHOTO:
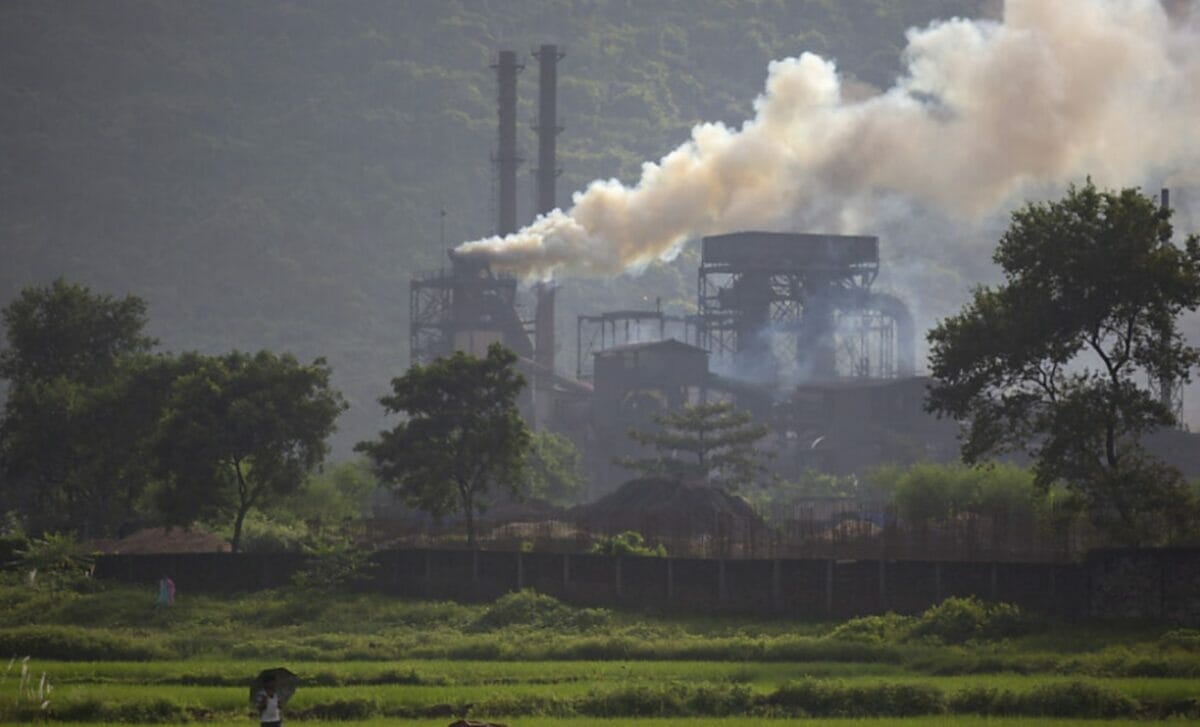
(285, 684)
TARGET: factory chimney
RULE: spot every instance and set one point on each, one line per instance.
(506, 159)
(547, 129)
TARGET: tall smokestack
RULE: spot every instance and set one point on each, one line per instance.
(547, 129)
(506, 158)
(547, 126)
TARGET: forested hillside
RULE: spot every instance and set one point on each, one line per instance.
(269, 174)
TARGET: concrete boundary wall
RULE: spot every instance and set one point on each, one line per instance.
(1159, 584)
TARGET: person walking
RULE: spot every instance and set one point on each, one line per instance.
(268, 705)
(166, 591)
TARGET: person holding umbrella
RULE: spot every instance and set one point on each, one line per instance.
(270, 691)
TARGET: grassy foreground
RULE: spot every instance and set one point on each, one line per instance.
(965, 721)
(110, 657)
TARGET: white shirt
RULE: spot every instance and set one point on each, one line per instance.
(270, 712)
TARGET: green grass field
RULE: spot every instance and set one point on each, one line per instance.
(109, 657)
(955, 721)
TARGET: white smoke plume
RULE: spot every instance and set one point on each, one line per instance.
(987, 114)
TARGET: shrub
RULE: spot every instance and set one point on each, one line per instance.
(1187, 639)
(1072, 699)
(834, 699)
(628, 543)
(261, 534)
(958, 620)
(1078, 699)
(530, 608)
(332, 567)
(872, 629)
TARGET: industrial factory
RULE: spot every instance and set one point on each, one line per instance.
(786, 325)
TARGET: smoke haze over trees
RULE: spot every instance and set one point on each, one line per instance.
(268, 175)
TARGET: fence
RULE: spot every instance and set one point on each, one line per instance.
(1151, 584)
(848, 535)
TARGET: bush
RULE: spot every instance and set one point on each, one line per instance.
(1186, 639)
(958, 620)
(1072, 699)
(628, 543)
(530, 608)
(1078, 699)
(332, 567)
(834, 699)
(261, 534)
(873, 629)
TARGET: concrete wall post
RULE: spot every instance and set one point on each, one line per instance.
(776, 586)
(829, 587)
(722, 593)
(883, 599)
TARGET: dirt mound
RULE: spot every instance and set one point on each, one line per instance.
(663, 505)
(165, 540)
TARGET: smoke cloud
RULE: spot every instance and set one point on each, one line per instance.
(986, 114)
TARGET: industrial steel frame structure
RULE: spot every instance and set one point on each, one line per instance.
(814, 290)
(607, 330)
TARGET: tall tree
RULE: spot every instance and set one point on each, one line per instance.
(462, 434)
(83, 395)
(1052, 362)
(239, 430)
(712, 442)
(64, 330)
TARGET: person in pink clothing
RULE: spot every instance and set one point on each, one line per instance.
(166, 591)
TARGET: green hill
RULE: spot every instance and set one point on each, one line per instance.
(269, 174)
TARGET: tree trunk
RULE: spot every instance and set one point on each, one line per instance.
(244, 503)
(469, 511)
(236, 541)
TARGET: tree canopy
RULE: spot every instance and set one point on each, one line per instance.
(461, 434)
(710, 442)
(1053, 361)
(239, 430)
(83, 395)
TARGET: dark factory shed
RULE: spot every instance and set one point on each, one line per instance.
(631, 384)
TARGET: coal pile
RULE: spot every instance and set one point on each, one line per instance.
(665, 506)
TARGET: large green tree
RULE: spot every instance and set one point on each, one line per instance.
(83, 396)
(710, 442)
(461, 434)
(240, 430)
(1054, 361)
